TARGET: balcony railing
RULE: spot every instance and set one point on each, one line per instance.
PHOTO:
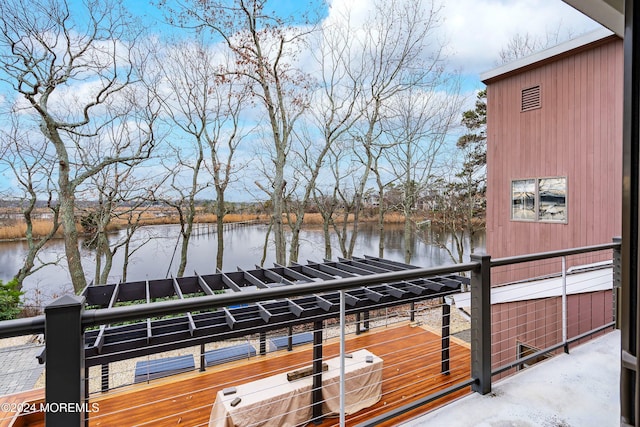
(492, 331)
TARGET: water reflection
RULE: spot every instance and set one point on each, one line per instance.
(159, 256)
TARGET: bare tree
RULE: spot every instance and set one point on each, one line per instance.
(122, 198)
(206, 105)
(332, 113)
(265, 48)
(421, 121)
(26, 156)
(76, 74)
(521, 45)
(184, 166)
(398, 49)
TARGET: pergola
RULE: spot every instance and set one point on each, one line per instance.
(110, 343)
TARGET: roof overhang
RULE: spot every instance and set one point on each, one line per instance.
(541, 57)
(608, 13)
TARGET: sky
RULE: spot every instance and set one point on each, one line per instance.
(474, 30)
(479, 29)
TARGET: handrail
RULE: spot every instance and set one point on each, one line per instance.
(499, 262)
(24, 326)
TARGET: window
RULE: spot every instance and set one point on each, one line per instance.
(539, 199)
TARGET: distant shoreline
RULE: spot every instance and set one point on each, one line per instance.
(15, 229)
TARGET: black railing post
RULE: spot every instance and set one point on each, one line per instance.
(65, 382)
(316, 391)
(263, 343)
(446, 321)
(104, 377)
(481, 323)
(617, 281)
(203, 359)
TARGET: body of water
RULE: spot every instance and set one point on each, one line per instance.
(159, 256)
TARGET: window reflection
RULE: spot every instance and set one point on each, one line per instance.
(523, 199)
(552, 196)
(543, 199)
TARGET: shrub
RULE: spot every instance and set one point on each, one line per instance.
(10, 303)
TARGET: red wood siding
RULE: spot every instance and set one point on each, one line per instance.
(577, 133)
(538, 323)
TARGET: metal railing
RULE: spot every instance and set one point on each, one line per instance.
(65, 321)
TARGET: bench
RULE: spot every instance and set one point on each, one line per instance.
(280, 343)
(158, 368)
(229, 354)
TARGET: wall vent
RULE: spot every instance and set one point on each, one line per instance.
(531, 98)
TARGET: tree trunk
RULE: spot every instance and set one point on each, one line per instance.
(278, 209)
(408, 253)
(327, 239)
(108, 260)
(72, 252)
(294, 249)
(220, 212)
(187, 229)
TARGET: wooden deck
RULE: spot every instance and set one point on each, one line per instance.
(411, 370)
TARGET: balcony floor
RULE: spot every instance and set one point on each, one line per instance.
(576, 389)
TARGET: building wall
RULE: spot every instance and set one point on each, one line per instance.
(577, 133)
(538, 323)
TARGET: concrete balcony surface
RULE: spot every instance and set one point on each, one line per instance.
(579, 389)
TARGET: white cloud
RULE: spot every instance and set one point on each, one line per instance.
(479, 29)
(476, 30)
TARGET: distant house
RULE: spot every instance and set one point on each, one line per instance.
(372, 200)
(554, 138)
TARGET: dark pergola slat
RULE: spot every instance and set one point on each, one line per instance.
(316, 273)
(117, 342)
(332, 270)
(294, 274)
(389, 263)
(277, 278)
(365, 266)
(204, 286)
(230, 283)
(254, 280)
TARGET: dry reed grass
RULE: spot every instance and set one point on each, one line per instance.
(16, 230)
